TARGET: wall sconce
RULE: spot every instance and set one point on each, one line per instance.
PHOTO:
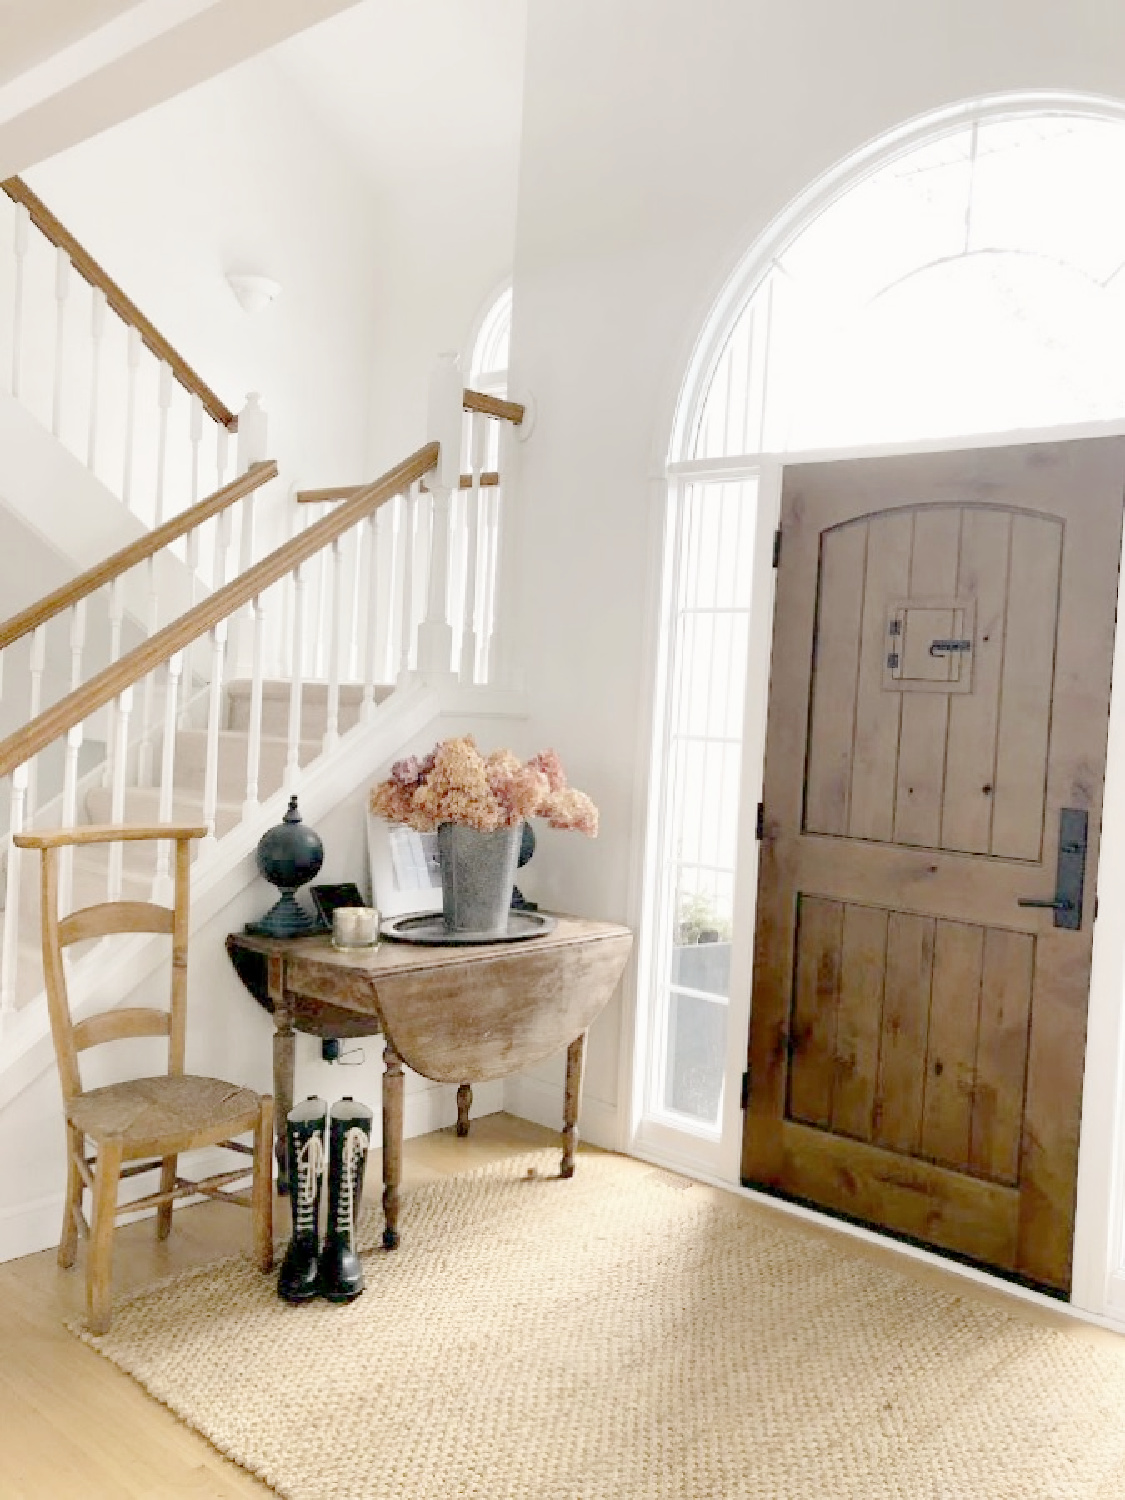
(253, 292)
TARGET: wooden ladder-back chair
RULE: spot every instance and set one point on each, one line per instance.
(139, 1125)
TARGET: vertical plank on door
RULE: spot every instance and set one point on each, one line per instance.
(951, 1057)
(1027, 685)
(998, 1092)
(812, 1028)
(843, 554)
(905, 1026)
(871, 812)
(863, 960)
(919, 790)
(966, 822)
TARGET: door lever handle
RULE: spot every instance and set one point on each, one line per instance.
(1070, 871)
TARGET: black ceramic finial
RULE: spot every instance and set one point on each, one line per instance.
(289, 855)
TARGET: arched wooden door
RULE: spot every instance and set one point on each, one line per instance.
(935, 756)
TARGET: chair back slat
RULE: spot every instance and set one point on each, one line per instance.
(116, 1025)
(114, 917)
(103, 920)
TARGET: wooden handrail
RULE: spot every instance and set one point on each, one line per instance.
(127, 310)
(493, 406)
(489, 479)
(136, 552)
(86, 700)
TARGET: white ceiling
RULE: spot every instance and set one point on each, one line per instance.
(414, 89)
(71, 68)
(33, 30)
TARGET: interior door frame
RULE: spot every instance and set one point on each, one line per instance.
(1098, 1285)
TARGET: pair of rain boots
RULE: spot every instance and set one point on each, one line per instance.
(333, 1271)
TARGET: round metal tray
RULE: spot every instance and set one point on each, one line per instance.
(431, 929)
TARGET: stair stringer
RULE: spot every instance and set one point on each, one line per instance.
(229, 866)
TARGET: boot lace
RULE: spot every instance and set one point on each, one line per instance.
(355, 1148)
(310, 1169)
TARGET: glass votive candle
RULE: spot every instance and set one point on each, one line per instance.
(355, 927)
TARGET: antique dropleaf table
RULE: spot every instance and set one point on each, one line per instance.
(460, 1015)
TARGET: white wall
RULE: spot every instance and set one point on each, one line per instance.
(659, 141)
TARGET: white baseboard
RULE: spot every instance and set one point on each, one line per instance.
(542, 1104)
(28, 1228)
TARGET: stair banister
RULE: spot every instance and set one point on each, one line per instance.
(89, 269)
(120, 562)
(145, 451)
(19, 748)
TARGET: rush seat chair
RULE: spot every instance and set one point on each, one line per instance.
(142, 1124)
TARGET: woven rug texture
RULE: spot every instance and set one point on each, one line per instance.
(624, 1336)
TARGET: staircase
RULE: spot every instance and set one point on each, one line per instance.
(301, 670)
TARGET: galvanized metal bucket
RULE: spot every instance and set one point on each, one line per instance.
(478, 871)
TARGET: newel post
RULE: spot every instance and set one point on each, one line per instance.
(435, 634)
(253, 445)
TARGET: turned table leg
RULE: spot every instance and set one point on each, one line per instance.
(464, 1105)
(392, 1143)
(575, 1058)
(283, 1053)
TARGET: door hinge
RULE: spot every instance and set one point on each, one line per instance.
(745, 1090)
(777, 547)
(760, 823)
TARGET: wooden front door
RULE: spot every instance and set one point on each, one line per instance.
(938, 709)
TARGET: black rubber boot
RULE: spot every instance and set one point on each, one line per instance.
(349, 1131)
(304, 1140)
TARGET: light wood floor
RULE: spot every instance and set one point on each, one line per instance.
(72, 1427)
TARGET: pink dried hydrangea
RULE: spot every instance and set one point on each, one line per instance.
(456, 784)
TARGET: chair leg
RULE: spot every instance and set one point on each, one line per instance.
(167, 1183)
(262, 1193)
(68, 1239)
(99, 1264)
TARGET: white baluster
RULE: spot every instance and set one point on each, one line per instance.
(214, 710)
(37, 666)
(134, 358)
(19, 246)
(144, 754)
(73, 747)
(503, 667)
(490, 540)
(162, 883)
(222, 549)
(12, 892)
(97, 329)
(388, 521)
(62, 291)
(478, 442)
(77, 643)
(409, 501)
(370, 530)
(164, 402)
(292, 760)
(254, 729)
(322, 604)
(222, 445)
(195, 431)
(117, 796)
(332, 725)
(116, 614)
(74, 739)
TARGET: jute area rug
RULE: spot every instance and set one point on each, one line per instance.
(624, 1334)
